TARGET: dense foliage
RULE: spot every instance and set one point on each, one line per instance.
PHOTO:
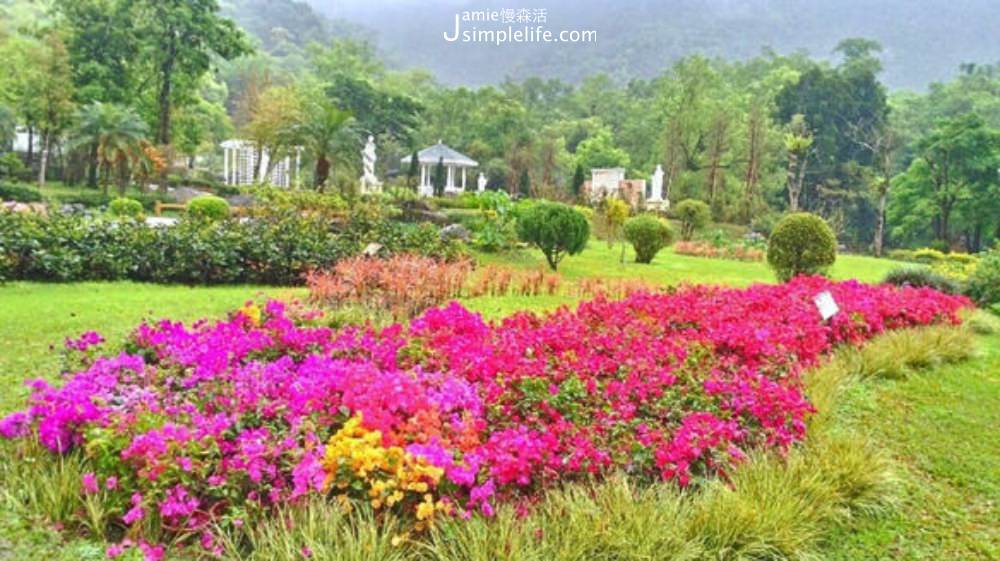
(556, 229)
(801, 244)
(751, 139)
(648, 235)
(983, 285)
(278, 249)
(195, 425)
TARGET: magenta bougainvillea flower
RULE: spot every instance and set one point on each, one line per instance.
(197, 423)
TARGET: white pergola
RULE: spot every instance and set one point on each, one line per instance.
(454, 162)
(239, 158)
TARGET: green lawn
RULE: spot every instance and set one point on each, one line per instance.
(941, 426)
(668, 268)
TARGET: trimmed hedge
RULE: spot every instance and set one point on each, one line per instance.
(801, 244)
(276, 250)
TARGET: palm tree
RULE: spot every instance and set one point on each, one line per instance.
(116, 137)
(327, 132)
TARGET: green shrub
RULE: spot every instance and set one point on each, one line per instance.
(801, 244)
(556, 229)
(941, 246)
(648, 235)
(693, 215)
(125, 207)
(919, 277)
(11, 165)
(927, 255)
(19, 193)
(983, 286)
(208, 207)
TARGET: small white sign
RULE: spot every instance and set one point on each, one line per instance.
(826, 305)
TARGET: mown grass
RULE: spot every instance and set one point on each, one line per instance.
(35, 319)
(940, 427)
(598, 260)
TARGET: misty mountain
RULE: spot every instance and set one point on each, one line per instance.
(924, 41)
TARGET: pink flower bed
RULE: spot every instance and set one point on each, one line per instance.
(195, 424)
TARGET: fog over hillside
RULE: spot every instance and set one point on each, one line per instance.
(924, 40)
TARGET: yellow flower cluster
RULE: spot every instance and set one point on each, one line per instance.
(251, 312)
(388, 476)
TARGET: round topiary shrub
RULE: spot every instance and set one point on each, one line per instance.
(919, 277)
(124, 207)
(648, 235)
(983, 286)
(556, 229)
(208, 207)
(801, 244)
(694, 215)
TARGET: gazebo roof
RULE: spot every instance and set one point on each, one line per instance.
(441, 151)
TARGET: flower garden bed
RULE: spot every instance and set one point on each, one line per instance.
(196, 427)
(728, 251)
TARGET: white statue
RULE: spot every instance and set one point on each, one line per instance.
(369, 182)
(481, 182)
(657, 190)
(656, 199)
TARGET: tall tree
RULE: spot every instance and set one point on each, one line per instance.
(414, 171)
(956, 168)
(440, 179)
(179, 38)
(50, 89)
(798, 145)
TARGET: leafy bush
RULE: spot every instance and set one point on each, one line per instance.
(693, 215)
(11, 166)
(801, 244)
(19, 193)
(918, 277)
(208, 207)
(263, 410)
(498, 219)
(648, 235)
(556, 229)
(125, 207)
(273, 200)
(983, 285)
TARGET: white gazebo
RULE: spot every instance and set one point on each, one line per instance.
(239, 159)
(455, 164)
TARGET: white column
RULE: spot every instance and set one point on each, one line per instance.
(225, 165)
(298, 166)
(463, 179)
(451, 177)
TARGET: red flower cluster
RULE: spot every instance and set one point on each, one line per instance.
(197, 422)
